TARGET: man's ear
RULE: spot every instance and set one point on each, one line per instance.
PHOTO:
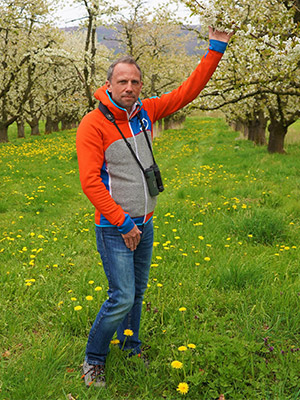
(108, 85)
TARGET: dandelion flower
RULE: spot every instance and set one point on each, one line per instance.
(176, 364)
(182, 309)
(89, 298)
(128, 332)
(73, 298)
(206, 258)
(191, 346)
(91, 282)
(182, 388)
(98, 288)
(115, 341)
(182, 348)
(77, 308)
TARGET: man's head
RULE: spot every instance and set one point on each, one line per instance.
(124, 82)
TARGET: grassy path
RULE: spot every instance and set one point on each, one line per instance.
(224, 288)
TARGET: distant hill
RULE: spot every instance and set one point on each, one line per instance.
(106, 36)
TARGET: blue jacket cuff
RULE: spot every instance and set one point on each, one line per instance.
(127, 225)
(217, 45)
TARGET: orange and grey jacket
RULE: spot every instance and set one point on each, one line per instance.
(109, 175)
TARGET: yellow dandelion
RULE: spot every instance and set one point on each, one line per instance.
(191, 346)
(77, 308)
(159, 285)
(91, 282)
(128, 332)
(176, 364)
(182, 309)
(89, 298)
(73, 298)
(115, 341)
(98, 288)
(206, 258)
(182, 388)
(182, 348)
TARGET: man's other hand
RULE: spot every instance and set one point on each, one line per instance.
(132, 238)
(218, 35)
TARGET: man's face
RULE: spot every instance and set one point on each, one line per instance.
(125, 85)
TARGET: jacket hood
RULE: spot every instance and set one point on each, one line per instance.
(119, 113)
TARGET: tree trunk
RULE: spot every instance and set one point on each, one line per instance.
(277, 135)
(167, 123)
(67, 124)
(3, 133)
(48, 125)
(34, 125)
(256, 129)
(55, 125)
(160, 125)
(174, 121)
(233, 125)
(75, 124)
(21, 129)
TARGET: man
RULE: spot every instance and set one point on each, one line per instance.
(115, 183)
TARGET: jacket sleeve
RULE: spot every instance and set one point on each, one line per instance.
(160, 107)
(90, 154)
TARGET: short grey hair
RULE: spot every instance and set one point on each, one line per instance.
(122, 60)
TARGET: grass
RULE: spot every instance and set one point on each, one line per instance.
(226, 250)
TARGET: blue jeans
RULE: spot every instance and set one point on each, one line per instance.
(127, 273)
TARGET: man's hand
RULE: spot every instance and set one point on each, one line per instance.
(218, 35)
(132, 238)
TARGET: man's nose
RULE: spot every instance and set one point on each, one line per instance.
(129, 87)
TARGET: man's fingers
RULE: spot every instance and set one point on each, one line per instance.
(132, 238)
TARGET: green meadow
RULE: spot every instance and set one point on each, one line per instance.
(224, 289)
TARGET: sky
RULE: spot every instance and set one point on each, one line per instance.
(70, 14)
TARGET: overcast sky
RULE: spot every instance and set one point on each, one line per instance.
(72, 11)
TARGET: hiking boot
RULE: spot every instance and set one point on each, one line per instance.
(145, 359)
(142, 355)
(93, 375)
